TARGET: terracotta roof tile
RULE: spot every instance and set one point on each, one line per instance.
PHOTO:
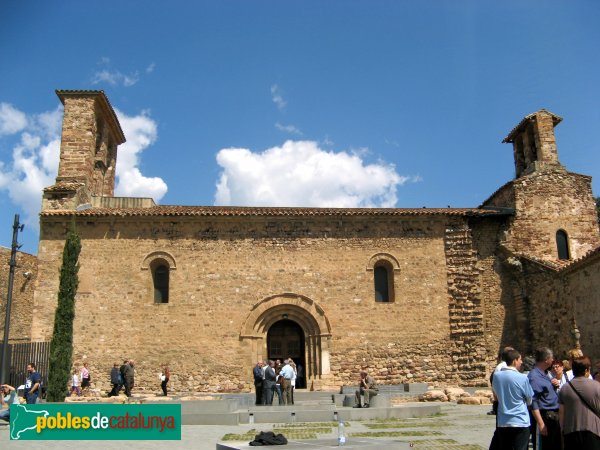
(64, 186)
(222, 211)
(555, 119)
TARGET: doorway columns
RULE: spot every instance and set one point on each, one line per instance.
(300, 309)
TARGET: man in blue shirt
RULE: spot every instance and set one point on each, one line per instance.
(33, 384)
(545, 401)
(514, 394)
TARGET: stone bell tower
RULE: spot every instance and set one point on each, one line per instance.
(88, 152)
(534, 143)
(554, 210)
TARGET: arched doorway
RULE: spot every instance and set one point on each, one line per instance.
(285, 339)
(301, 314)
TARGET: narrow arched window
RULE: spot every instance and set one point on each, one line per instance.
(383, 275)
(160, 278)
(381, 284)
(562, 245)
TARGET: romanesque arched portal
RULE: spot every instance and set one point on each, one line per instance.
(296, 308)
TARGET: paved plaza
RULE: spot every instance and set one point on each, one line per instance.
(460, 427)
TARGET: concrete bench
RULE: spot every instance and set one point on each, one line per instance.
(379, 401)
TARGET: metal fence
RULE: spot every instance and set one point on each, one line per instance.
(21, 354)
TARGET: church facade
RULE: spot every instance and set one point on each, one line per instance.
(422, 295)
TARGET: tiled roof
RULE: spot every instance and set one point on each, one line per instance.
(555, 119)
(564, 265)
(62, 186)
(588, 257)
(220, 211)
(105, 102)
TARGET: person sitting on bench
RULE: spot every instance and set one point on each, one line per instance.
(366, 387)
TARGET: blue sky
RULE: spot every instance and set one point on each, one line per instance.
(330, 103)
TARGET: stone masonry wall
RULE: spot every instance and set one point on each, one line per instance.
(22, 298)
(546, 202)
(559, 296)
(224, 267)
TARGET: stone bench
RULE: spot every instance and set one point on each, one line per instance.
(379, 401)
(404, 388)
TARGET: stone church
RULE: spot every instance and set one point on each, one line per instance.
(422, 295)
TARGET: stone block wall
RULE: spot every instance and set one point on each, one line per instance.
(22, 295)
(558, 296)
(432, 331)
(545, 202)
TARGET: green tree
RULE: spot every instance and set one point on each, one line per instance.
(61, 347)
(598, 208)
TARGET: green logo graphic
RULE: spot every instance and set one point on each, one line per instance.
(95, 422)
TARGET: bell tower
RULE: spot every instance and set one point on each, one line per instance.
(554, 215)
(88, 151)
(534, 143)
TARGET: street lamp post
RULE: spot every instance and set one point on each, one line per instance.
(4, 364)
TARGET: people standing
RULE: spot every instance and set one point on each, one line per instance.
(514, 394)
(366, 387)
(545, 401)
(75, 383)
(278, 388)
(115, 380)
(164, 379)
(258, 375)
(285, 376)
(85, 376)
(294, 378)
(8, 396)
(579, 409)
(129, 377)
(269, 384)
(33, 384)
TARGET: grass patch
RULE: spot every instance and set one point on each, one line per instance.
(390, 434)
(288, 433)
(248, 436)
(437, 444)
(309, 425)
(403, 424)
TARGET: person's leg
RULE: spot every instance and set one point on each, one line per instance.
(357, 402)
(5, 414)
(553, 440)
(520, 438)
(258, 389)
(367, 394)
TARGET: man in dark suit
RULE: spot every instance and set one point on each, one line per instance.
(258, 381)
(269, 384)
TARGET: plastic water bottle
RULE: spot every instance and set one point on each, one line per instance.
(341, 434)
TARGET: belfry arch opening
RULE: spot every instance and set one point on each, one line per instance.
(285, 339)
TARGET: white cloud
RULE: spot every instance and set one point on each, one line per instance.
(300, 173)
(140, 132)
(151, 68)
(277, 97)
(288, 129)
(11, 119)
(34, 162)
(36, 154)
(114, 77)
